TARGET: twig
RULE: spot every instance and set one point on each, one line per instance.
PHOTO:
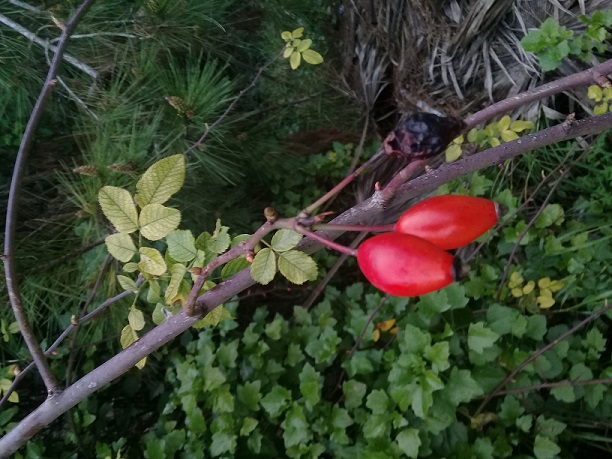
(94, 291)
(13, 201)
(233, 103)
(498, 227)
(360, 337)
(25, 6)
(331, 273)
(43, 43)
(538, 353)
(326, 242)
(540, 92)
(531, 223)
(565, 383)
(235, 252)
(60, 339)
(71, 94)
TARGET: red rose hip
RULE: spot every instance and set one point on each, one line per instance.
(405, 265)
(449, 221)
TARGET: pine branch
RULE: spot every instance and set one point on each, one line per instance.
(43, 43)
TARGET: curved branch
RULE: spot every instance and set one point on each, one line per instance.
(13, 201)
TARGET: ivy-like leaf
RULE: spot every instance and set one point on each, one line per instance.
(409, 442)
(161, 181)
(545, 448)
(157, 221)
(263, 267)
(297, 266)
(285, 239)
(120, 246)
(312, 57)
(118, 206)
(177, 272)
(480, 337)
(181, 245)
(151, 261)
(136, 319)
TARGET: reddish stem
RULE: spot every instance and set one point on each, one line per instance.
(326, 242)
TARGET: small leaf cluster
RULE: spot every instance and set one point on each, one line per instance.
(298, 48)
(543, 297)
(553, 42)
(602, 97)
(166, 274)
(492, 135)
(294, 265)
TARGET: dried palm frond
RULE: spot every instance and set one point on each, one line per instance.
(456, 55)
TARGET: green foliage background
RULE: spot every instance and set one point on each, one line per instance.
(277, 379)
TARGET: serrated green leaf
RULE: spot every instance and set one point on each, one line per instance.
(409, 442)
(276, 401)
(294, 60)
(128, 336)
(220, 240)
(545, 448)
(234, 266)
(480, 337)
(263, 267)
(118, 206)
(297, 266)
(136, 319)
(181, 245)
(120, 246)
(312, 57)
(285, 239)
(552, 214)
(161, 181)
(127, 283)
(157, 221)
(177, 273)
(130, 267)
(378, 401)
(151, 261)
(248, 425)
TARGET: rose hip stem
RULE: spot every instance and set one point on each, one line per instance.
(326, 242)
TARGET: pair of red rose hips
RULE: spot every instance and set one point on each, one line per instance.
(413, 260)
